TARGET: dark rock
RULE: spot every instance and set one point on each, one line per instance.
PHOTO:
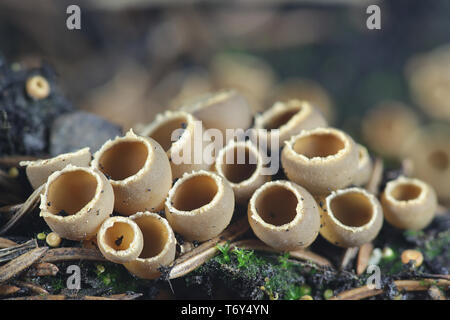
(80, 129)
(24, 121)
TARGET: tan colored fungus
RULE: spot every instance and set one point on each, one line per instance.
(179, 133)
(387, 126)
(365, 167)
(76, 201)
(351, 217)
(288, 118)
(120, 240)
(409, 203)
(241, 164)
(200, 205)
(320, 160)
(159, 245)
(222, 110)
(429, 152)
(37, 87)
(308, 90)
(284, 215)
(38, 171)
(138, 170)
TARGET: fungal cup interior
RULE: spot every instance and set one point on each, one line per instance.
(194, 193)
(70, 192)
(123, 159)
(282, 118)
(119, 236)
(406, 191)
(155, 236)
(276, 205)
(318, 145)
(352, 209)
(163, 133)
(242, 166)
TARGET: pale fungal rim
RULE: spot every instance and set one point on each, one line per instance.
(231, 147)
(294, 109)
(336, 133)
(46, 211)
(170, 238)
(61, 157)
(108, 224)
(219, 183)
(372, 201)
(363, 156)
(402, 181)
(165, 120)
(130, 136)
(210, 99)
(289, 186)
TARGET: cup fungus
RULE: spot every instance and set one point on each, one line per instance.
(351, 217)
(284, 215)
(321, 160)
(38, 171)
(200, 205)
(365, 166)
(305, 89)
(120, 240)
(429, 152)
(289, 118)
(226, 109)
(37, 87)
(387, 127)
(159, 245)
(241, 164)
(179, 132)
(138, 170)
(409, 203)
(76, 201)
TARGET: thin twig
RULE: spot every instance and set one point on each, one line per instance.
(29, 205)
(198, 256)
(42, 269)
(347, 257)
(301, 254)
(363, 258)
(32, 287)
(69, 254)
(406, 285)
(376, 177)
(9, 253)
(19, 264)
(6, 243)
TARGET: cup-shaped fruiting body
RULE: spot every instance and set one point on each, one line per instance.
(351, 217)
(305, 89)
(242, 166)
(429, 152)
(284, 215)
(222, 110)
(182, 138)
(120, 240)
(365, 167)
(76, 201)
(289, 119)
(138, 170)
(428, 77)
(38, 171)
(320, 160)
(200, 205)
(159, 245)
(387, 127)
(409, 203)
(250, 75)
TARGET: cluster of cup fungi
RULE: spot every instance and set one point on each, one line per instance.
(133, 176)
